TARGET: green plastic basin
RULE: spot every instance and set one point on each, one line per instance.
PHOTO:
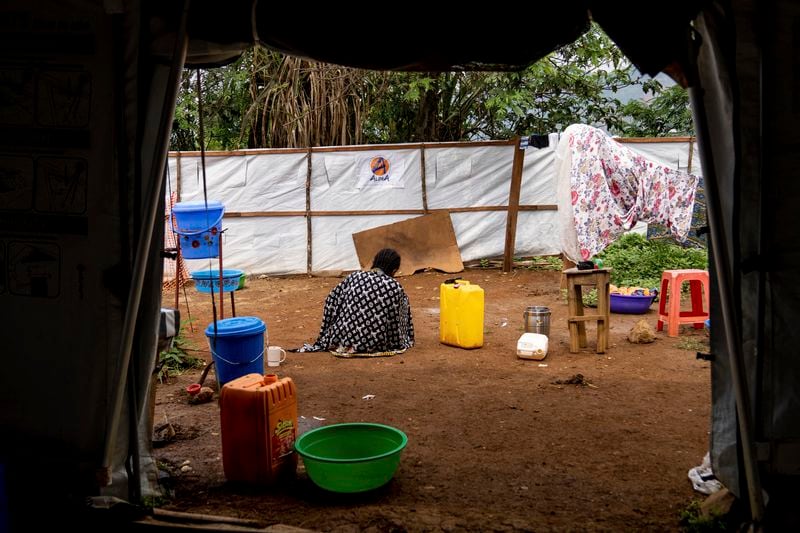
(352, 457)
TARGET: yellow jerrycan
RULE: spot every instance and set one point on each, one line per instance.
(460, 314)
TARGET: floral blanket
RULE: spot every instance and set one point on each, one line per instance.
(606, 188)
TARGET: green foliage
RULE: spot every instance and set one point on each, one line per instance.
(266, 99)
(225, 99)
(547, 262)
(692, 344)
(590, 298)
(151, 502)
(693, 521)
(577, 84)
(175, 360)
(414, 107)
(638, 262)
(300, 103)
(667, 114)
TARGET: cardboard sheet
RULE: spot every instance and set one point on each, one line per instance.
(423, 242)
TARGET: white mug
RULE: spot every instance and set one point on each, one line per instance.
(275, 356)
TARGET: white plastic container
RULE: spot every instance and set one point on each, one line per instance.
(532, 346)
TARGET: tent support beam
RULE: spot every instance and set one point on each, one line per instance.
(477, 208)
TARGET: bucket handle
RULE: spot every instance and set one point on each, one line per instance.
(254, 359)
(198, 232)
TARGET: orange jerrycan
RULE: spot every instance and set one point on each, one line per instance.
(258, 419)
(460, 314)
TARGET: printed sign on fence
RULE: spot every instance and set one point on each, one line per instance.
(380, 171)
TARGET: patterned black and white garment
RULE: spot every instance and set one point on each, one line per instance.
(367, 312)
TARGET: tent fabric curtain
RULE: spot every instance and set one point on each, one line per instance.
(83, 253)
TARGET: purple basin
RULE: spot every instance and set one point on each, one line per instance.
(632, 305)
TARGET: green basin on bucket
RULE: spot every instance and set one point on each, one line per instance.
(352, 457)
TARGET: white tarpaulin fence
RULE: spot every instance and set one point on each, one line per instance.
(287, 214)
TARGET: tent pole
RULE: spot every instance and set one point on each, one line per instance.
(178, 267)
(721, 256)
(149, 216)
(178, 260)
(178, 176)
(221, 289)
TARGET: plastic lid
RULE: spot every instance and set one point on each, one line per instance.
(530, 337)
(270, 378)
(240, 325)
(182, 207)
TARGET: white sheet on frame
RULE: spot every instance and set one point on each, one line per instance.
(538, 177)
(468, 176)
(274, 245)
(332, 246)
(334, 181)
(675, 155)
(266, 182)
(455, 177)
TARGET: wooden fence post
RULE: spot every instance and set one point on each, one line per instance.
(308, 212)
(513, 206)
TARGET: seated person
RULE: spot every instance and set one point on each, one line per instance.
(367, 312)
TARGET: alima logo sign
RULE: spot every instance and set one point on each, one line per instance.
(375, 171)
(379, 166)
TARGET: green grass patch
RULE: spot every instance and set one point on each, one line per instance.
(638, 262)
(693, 344)
(539, 262)
(176, 360)
(589, 296)
(546, 262)
(152, 502)
(692, 520)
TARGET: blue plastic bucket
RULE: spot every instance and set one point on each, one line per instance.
(239, 347)
(204, 280)
(199, 228)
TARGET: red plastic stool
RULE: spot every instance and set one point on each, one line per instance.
(669, 307)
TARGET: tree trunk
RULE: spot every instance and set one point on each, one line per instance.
(426, 128)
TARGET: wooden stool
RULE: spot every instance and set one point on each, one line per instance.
(576, 280)
(669, 307)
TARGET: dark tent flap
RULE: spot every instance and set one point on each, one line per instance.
(658, 40)
(391, 38)
(388, 38)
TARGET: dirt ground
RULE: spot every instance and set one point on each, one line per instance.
(494, 443)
